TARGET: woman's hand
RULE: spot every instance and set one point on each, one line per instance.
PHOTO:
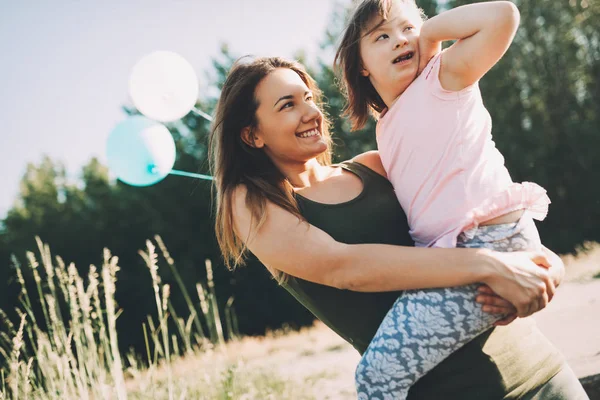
(522, 278)
(492, 303)
(557, 267)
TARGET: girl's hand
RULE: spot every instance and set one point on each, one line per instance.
(522, 278)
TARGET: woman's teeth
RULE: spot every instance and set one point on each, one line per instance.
(310, 133)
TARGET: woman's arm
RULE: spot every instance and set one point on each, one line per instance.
(297, 248)
(490, 300)
(483, 32)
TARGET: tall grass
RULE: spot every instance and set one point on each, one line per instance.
(65, 344)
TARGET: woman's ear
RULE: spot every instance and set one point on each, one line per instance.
(364, 72)
(251, 139)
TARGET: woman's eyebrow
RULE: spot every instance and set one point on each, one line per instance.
(288, 97)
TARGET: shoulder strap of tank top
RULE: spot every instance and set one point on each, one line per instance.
(366, 173)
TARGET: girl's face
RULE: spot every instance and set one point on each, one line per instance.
(390, 50)
(289, 122)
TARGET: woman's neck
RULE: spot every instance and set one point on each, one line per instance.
(307, 174)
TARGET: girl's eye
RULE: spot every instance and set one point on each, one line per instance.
(381, 37)
(309, 98)
(409, 28)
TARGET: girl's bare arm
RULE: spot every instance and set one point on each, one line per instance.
(483, 32)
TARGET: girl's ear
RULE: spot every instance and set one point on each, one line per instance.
(251, 139)
(364, 72)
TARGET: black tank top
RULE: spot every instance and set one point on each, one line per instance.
(502, 363)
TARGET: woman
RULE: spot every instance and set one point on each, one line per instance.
(314, 226)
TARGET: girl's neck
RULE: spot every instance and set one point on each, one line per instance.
(391, 91)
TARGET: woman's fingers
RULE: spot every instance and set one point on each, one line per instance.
(528, 308)
(538, 286)
(551, 289)
(557, 270)
(541, 259)
(523, 279)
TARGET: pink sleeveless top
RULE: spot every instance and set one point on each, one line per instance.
(437, 149)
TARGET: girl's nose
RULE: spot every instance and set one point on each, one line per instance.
(400, 40)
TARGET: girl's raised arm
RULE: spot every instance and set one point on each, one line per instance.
(483, 32)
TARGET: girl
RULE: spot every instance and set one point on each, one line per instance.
(434, 139)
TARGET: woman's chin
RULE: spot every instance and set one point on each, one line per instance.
(315, 150)
(321, 146)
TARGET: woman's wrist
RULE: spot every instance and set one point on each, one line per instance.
(486, 265)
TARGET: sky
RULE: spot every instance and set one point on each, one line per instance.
(65, 65)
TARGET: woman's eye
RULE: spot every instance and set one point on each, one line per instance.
(287, 105)
(409, 28)
(309, 98)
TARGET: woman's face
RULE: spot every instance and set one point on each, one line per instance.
(289, 122)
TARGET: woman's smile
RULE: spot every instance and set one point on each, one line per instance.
(308, 134)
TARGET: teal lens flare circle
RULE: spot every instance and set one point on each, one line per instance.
(140, 151)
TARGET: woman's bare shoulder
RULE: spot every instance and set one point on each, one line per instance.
(371, 160)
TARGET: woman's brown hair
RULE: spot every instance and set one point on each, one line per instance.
(361, 96)
(234, 163)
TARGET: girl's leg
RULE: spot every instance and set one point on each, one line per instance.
(420, 331)
(424, 327)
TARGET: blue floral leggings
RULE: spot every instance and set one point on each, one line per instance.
(423, 327)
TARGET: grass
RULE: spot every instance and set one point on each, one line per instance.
(69, 350)
(268, 367)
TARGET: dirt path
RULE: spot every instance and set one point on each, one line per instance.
(572, 322)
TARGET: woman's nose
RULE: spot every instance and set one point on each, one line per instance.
(312, 112)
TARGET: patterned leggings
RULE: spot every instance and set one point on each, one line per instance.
(423, 327)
